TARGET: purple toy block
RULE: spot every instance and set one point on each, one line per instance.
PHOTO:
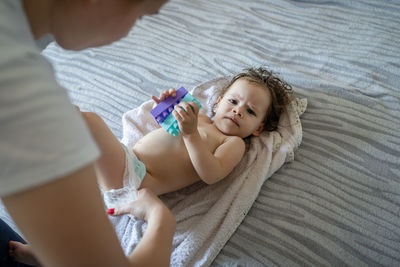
(164, 108)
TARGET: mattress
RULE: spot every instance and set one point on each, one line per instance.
(338, 203)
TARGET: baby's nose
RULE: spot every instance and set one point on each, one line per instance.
(237, 111)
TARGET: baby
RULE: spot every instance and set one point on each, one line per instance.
(205, 149)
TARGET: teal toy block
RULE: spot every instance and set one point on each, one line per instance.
(170, 125)
(189, 98)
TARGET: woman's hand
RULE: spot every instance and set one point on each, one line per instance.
(146, 207)
(161, 225)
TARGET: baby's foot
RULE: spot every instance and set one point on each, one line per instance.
(22, 253)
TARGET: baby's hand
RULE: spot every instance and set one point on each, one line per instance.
(163, 96)
(186, 115)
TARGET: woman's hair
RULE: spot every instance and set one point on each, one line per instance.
(281, 93)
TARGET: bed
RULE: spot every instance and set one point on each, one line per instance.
(338, 202)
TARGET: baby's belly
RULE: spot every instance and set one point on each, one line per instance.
(167, 162)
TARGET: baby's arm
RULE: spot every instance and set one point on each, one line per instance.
(213, 167)
(210, 166)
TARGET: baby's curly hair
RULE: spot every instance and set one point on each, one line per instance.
(281, 93)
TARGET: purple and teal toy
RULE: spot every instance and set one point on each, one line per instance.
(162, 113)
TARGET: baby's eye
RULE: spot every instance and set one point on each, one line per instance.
(233, 101)
(251, 112)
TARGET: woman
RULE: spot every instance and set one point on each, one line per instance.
(47, 179)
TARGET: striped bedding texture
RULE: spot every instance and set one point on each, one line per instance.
(338, 203)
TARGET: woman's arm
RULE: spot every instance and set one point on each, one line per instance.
(66, 225)
(160, 228)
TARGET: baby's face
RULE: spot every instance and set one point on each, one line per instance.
(241, 111)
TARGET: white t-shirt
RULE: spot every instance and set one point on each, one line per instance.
(42, 136)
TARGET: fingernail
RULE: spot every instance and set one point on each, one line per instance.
(110, 211)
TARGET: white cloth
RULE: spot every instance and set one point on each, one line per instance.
(207, 215)
(42, 136)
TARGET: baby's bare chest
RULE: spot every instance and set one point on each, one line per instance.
(211, 136)
(160, 146)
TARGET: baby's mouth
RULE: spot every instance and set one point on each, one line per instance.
(234, 121)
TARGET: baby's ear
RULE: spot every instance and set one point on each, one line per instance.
(259, 129)
(216, 106)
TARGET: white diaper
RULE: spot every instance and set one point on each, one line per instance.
(134, 173)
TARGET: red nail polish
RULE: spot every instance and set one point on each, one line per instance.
(110, 211)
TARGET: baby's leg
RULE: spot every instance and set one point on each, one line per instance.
(111, 164)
